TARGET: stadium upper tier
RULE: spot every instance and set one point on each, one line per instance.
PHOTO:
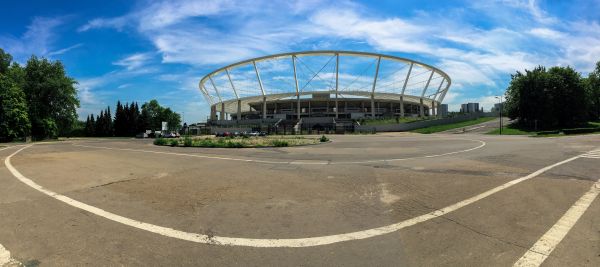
(288, 83)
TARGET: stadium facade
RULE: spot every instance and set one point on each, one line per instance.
(331, 85)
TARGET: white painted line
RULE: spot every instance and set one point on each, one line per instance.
(253, 242)
(538, 253)
(308, 162)
(5, 258)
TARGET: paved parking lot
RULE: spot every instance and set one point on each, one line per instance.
(378, 200)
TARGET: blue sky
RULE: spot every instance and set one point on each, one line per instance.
(140, 50)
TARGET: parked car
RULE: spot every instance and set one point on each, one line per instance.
(262, 134)
(142, 135)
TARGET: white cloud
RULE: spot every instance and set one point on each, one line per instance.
(37, 39)
(64, 50)
(518, 35)
(117, 23)
(546, 33)
(135, 61)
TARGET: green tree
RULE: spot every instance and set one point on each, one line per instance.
(541, 98)
(592, 85)
(5, 61)
(51, 97)
(120, 123)
(153, 115)
(14, 121)
(92, 128)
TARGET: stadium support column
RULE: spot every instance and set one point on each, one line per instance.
(401, 107)
(262, 90)
(372, 106)
(213, 112)
(373, 89)
(421, 108)
(403, 89)
(222, 111)
(264, 109)
(432, 108)
(239, 110)
(297, 89)
(337, 72)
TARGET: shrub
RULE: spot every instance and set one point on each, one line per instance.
(160, 141)
(548, 132)
(280, 143)
(323, 138)
(174, 142)
(187, 141)
(234, 144)
(581, 130)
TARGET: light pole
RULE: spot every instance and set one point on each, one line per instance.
(500, 99)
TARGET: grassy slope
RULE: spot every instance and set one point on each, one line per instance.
(440, 128)
(389, 121)
(509, 130)
(514, 130)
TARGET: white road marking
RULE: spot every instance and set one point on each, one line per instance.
(301, 162)
(253, 242)
(5, 258)
(538, 253)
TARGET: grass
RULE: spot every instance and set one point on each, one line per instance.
(513, 129)
(445, 127)
(240, 142)
(389, 121)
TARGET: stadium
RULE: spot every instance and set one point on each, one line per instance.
(323, 89)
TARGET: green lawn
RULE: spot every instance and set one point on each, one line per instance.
(514, 130)
(441, 128)
(511, 130)
(389, 121)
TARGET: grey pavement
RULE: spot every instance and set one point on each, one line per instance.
(354, 183)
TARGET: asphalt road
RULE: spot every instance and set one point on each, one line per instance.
(361, 200)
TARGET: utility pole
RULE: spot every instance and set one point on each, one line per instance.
(501, 108)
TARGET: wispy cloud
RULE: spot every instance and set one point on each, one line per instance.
(135, 61)
(37, 39)
(64, 50)
(517, 34)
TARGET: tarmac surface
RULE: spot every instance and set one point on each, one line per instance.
(393, 199)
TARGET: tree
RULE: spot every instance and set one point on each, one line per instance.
(592, 86)
(5, 60)
(92, 129)
(120, 123)
(134, 115)
(51, 97)
(14, 121)
(153, 115)
(543, 98)
(108, 131)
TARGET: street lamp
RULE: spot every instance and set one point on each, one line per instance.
(500, 99)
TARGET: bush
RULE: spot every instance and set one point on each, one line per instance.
(234, 144)
(280, 143)
(187, 141)
(160, 141)
(548, 132)
(581, 130)
(174, 142)
(323, 139)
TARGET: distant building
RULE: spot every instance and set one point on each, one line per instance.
(444, 110)
(469, 108)
(497, 107)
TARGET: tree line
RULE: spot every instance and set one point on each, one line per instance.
(130, 120)
(554, 98)
(37, 99)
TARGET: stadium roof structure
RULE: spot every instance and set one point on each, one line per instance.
(343, 74)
